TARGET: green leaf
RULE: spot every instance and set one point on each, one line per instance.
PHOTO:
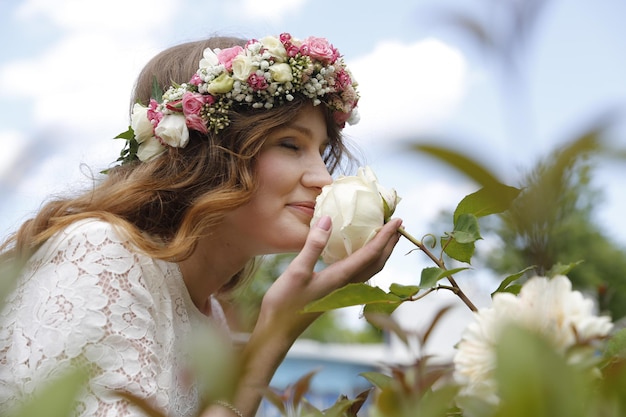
(491, 199)
(404, 291)
(429, 277)
(617, 344)
(535, 380)
(469, 167)
(379, 380)
(128, 135)
(449, 272)
(466, 229)
(504, 285)
(385, 308)
(57, 397)
(462, 252)
(157, 93)
(351, 295)
(339, 408)
(560, 269)
(513, 289)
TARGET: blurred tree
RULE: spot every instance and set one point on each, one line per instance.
(552, 221)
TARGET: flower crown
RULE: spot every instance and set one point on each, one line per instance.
(263, 74)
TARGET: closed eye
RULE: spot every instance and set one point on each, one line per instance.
(290, 145)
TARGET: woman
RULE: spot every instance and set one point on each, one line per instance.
(218, 169)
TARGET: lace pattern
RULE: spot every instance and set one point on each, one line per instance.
(85, 297)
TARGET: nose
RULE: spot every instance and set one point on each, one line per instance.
(316, 175)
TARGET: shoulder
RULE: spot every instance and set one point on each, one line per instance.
(88, 235)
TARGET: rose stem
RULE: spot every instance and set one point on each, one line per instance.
(457, 290)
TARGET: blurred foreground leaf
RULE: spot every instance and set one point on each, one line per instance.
(535, 380)
(56, 398)
(463, 163)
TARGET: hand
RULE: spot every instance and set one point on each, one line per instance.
(299, 284)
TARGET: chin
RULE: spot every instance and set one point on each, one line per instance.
(291, 242)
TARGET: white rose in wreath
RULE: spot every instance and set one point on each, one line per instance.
(358, 206)
(172, 129)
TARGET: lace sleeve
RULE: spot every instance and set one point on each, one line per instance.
(86, 298)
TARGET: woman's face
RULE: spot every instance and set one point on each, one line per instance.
(290, 174)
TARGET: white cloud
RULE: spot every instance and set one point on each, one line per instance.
(90, 69)
(259, 10)
(111, 16)
(72, 85)
(408, 89)
(13, 143)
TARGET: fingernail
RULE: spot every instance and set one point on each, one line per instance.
(324, 223)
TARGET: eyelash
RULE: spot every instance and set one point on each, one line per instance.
(290, 145)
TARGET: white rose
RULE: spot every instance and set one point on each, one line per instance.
(242, 67)
(389, 195)
(149, 149)
(275, 47)
(173, 130)
(281, 73)
(140, 123)
(357, 209)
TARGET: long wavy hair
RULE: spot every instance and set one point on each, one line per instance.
(166, 205)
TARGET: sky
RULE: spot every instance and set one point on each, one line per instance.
(67, 69)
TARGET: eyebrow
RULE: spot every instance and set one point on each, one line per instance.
(305, 130)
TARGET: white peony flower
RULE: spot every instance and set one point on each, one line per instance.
(172, 129)
(548, 306)
(358, 207)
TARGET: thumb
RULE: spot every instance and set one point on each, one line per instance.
(315, 243)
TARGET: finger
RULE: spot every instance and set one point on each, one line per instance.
(315, 243)
(371, 257)
(378, 263)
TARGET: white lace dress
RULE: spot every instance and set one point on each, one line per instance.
(87, 297)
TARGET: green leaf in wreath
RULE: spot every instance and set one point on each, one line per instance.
(128, 135)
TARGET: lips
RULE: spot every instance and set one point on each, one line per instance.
(306, 207)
